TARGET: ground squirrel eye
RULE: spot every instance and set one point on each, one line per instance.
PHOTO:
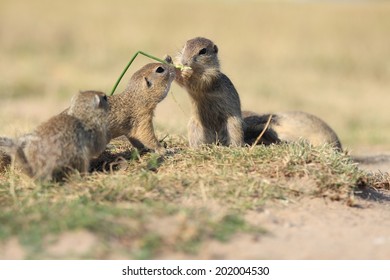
(160, 70)
(105, 97)
(203, 51)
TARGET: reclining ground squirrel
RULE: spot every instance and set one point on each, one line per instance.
(65, 142)
(216, 108)
(289, 127)
(298, 126)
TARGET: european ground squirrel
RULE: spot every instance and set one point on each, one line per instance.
(131, 112)
(289, 127)
(216, 109)
(65, 142)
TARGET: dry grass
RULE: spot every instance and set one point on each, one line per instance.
(322, 58)
(152, 206)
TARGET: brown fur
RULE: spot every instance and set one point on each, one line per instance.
(131, 112)
(216, 109)
(289, 127)
(65, 142)
(5, 160)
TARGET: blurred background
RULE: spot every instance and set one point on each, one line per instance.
(329, 58)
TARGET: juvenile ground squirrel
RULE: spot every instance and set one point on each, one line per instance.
(216, 109)
(131, 112)
(65, 142)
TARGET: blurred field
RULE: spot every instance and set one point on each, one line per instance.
(331, 59)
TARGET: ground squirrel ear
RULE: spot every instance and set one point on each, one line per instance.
(148, 83)
(168, 59)
(215, 49)
(96, 101)
(74, 98)
(103, 101)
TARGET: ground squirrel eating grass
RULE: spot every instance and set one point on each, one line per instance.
(216, 109)
(131, 112)
(289, 127)
(65, 142)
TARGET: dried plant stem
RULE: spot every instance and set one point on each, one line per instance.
(178, 104)
(262, 132)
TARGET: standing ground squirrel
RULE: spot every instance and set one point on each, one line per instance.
(289, 127)
(65, 142)
(131, 112)
(216, 108)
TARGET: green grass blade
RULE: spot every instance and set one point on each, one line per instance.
(128, 65)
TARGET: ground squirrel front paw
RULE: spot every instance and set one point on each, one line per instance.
(186, 73)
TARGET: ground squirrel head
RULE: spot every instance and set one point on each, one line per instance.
(153, 81)
(200, 54)
(86, 102)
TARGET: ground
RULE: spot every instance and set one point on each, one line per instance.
(315, 228)
(289, 217)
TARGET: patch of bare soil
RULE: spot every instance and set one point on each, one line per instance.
(320, 229)
(314, 228)
(310, 229)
